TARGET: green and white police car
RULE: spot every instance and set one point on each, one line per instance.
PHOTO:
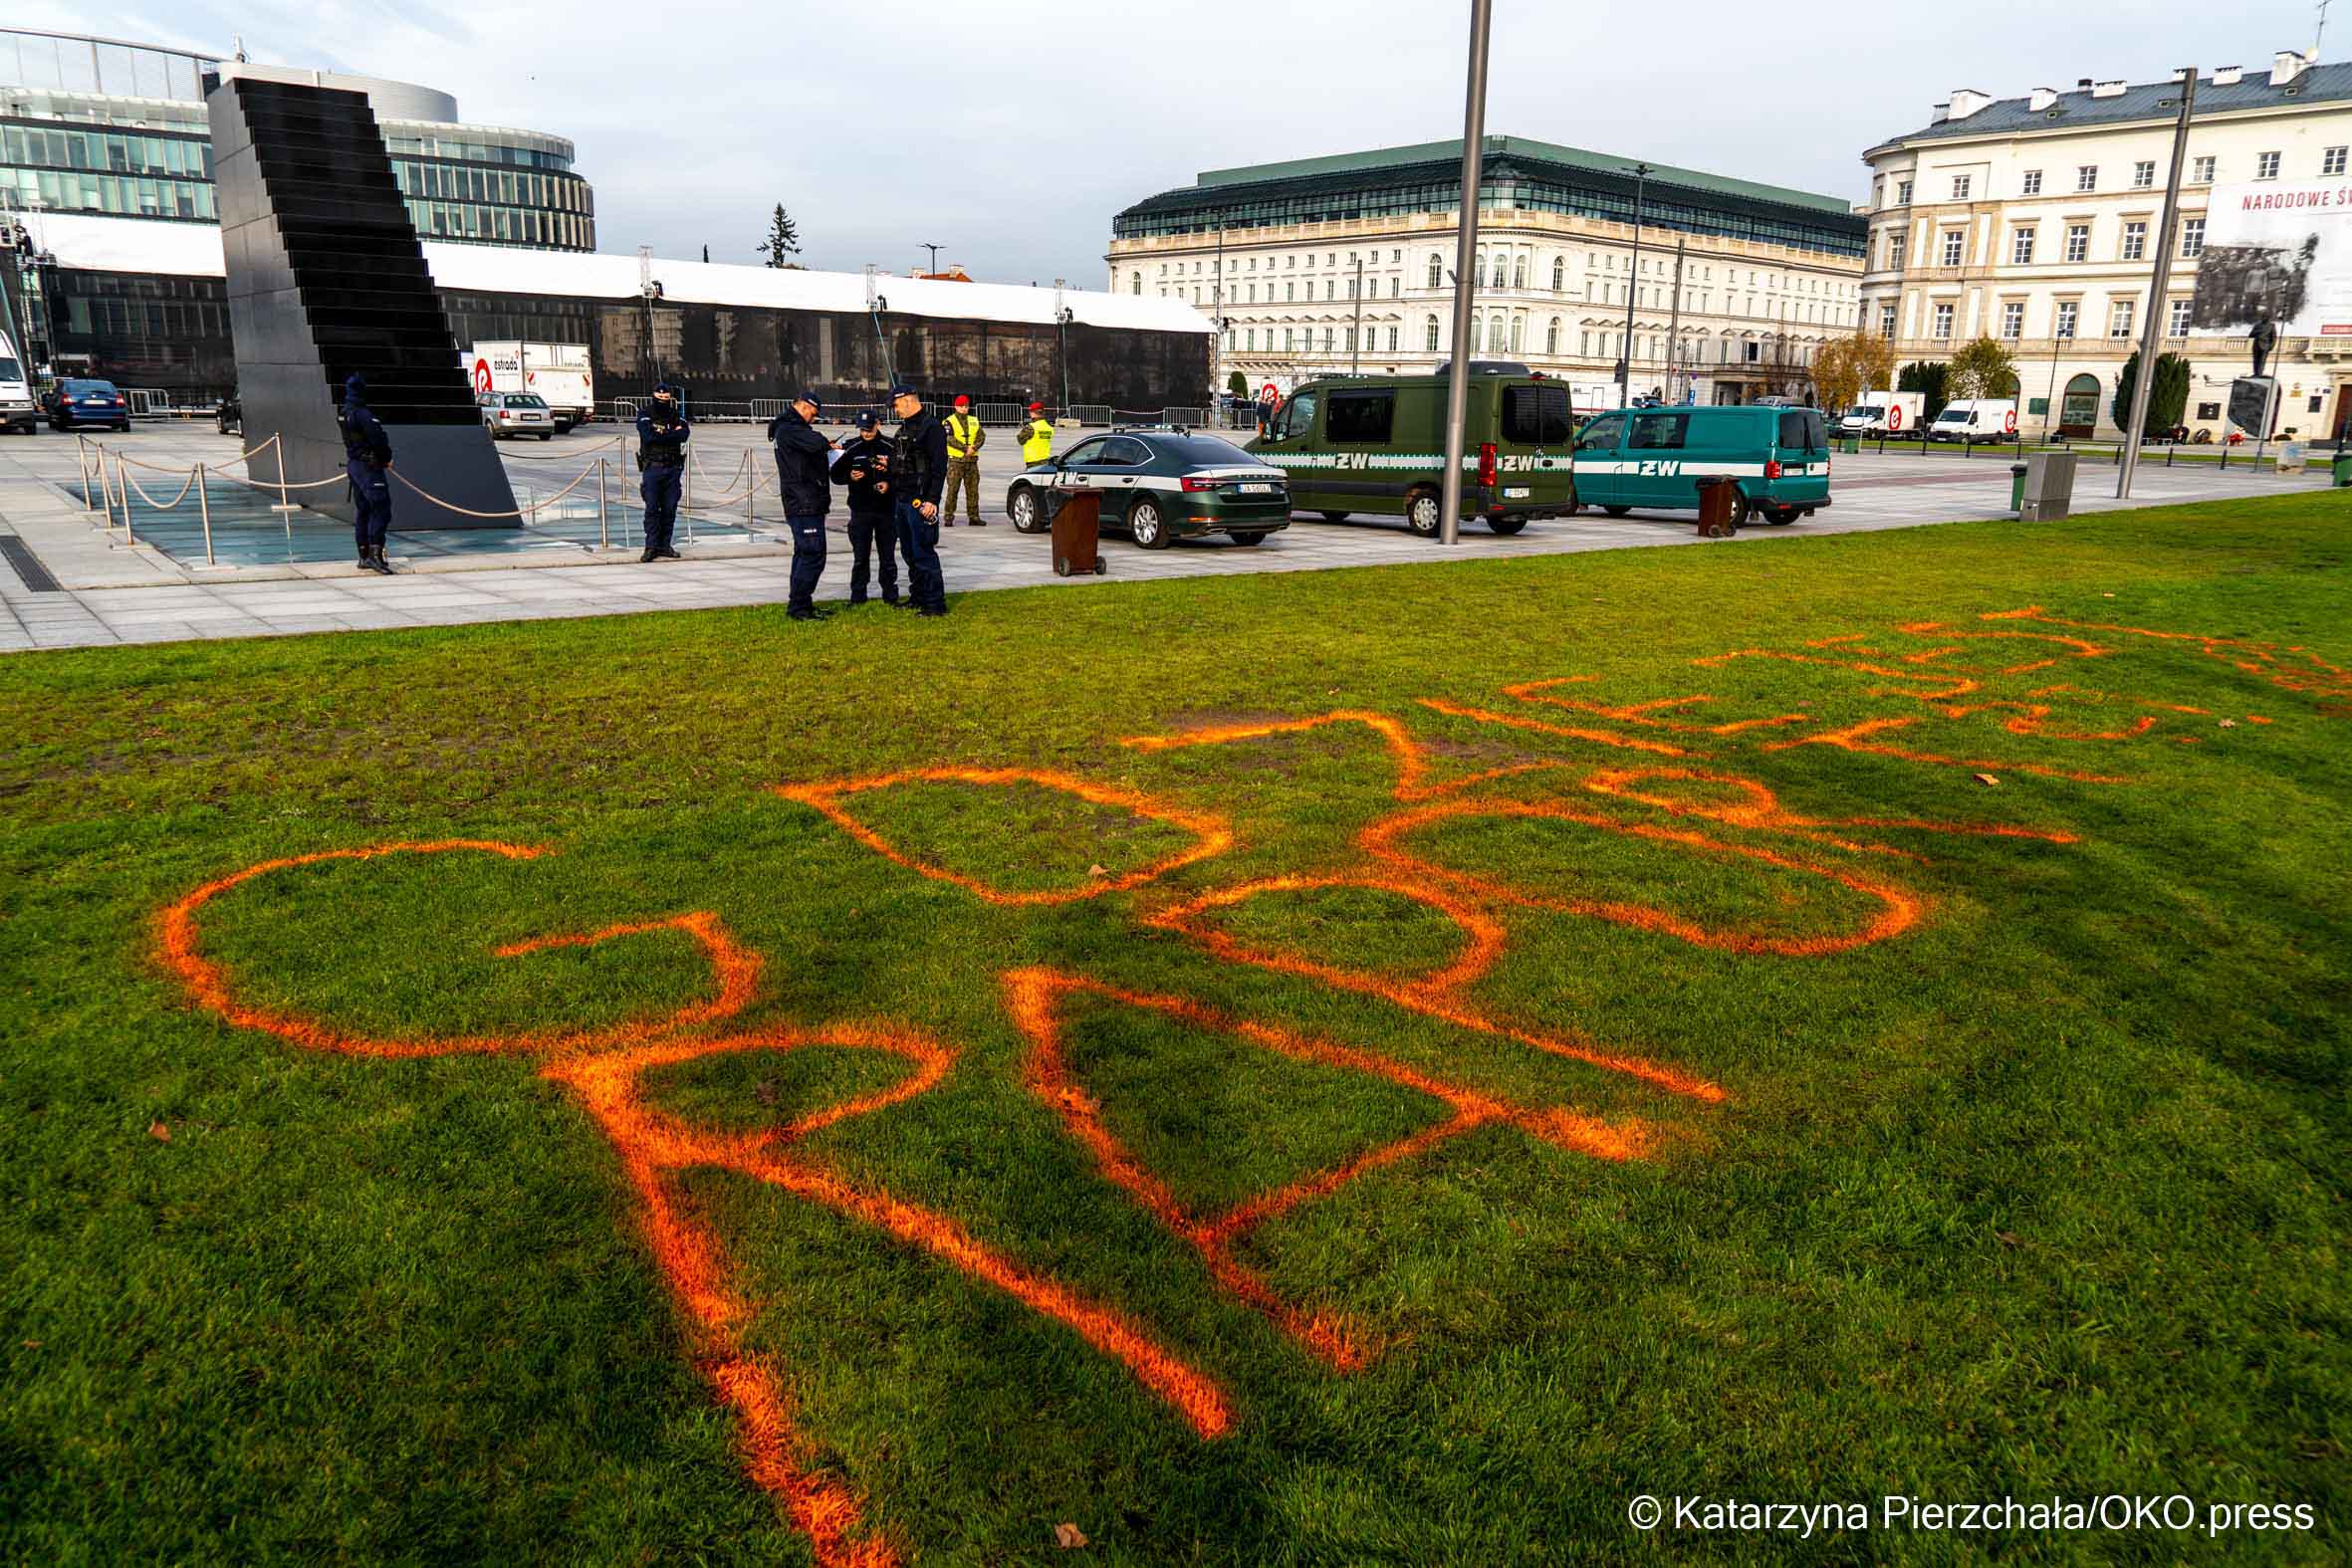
(1157, 487)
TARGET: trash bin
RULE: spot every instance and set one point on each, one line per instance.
(2343, 469)
(1719, 506)
(2017, 488)
(1851, 446)
(1077, 533)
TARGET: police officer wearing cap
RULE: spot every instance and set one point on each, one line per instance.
(662, 433)
(864, 466)
(919, 473)
(804, 460)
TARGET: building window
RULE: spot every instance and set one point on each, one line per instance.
(2069, 312)
(2177, 323)
(1559, 274)
(2192, 238)
(1351, 339)
(2119, 318)
(1898, 244)
(1495, 334)
(1585, 345)
(1903, 194)
(1886, 321)
(2012, 319)
(2022, 248)
(1135, 283)
(2201, 171)
(2086, 177)
(2079, 242)
(2265, 165)
(1330, 290)
(2032, 185)
(1960, 187)
(1429, 333)
(1955, 240)
(2331, 161)
(1943, 320)
(1519, 273)
(1499, 272)
(1249, 339)
(2134, 241)
(2144, 174)
(1327, 335)
(1286, 343)
(1392, 339)
(1517, 324)
(1551, 336)
(1289, 291)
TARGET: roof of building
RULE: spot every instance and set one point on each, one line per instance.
(193, 250)
(1381, 158)
(2076, 110)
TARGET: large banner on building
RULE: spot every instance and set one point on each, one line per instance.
(2277, 251)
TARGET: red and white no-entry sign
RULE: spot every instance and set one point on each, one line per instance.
(2009, 422)
(481, 375)
(1267, 394)
(1894, 417)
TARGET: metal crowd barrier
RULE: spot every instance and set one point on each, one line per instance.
(1092, 414)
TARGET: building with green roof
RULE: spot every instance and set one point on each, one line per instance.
(1344, 262)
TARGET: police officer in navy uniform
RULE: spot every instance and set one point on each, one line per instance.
(864, 466)
(919, 473)
(804, 460)
(368, 458)
(662, 433)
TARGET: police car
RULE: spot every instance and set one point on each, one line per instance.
(1159, 486)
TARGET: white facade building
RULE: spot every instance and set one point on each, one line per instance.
(1326, 265)
(2033, 220)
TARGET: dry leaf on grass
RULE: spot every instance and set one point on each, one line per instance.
(1987, 778)
(1069, 1536)
(159, 1132)
(2228, 724)
(1097, 871)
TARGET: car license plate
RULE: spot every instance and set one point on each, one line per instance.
(1255, 487)
(1514, 492)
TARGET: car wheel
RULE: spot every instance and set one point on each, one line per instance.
(1506, 526)
(1742, 510)
(1144, 524)
(1252, 538)
(1616, 512)
(1022, 506)
(1781, 517)
(1335, 516)
(1421, 512)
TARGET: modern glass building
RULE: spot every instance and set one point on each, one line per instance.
(93, 126)
(145, 305)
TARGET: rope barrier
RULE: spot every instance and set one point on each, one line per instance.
(559, 457)
(152, 503)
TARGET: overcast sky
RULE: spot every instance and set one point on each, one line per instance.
(1010, 133)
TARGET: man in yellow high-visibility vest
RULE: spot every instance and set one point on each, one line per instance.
(964, 440)
(1037, 437)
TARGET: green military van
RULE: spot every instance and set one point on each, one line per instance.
(1652, 459)
(1377, 445)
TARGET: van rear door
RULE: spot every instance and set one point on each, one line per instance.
(1289, 445)
(1532, 442)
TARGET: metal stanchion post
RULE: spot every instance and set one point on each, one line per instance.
(603, 528)
(123, 486)
(82, 452)
(204, 510)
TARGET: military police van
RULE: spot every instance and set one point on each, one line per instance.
(1654, 459)
(1377, 445)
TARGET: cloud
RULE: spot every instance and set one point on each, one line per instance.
(1012, 132)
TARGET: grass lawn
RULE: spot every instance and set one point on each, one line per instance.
(1364, 1067)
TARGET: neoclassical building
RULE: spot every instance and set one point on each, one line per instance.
(2032, 220)
(1325, 265)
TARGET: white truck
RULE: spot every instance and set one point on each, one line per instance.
(557, 372)
(1973, 419)
(17, 409)
(1883, 413)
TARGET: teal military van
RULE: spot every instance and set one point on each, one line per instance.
(1377, 445)
(1652, 459)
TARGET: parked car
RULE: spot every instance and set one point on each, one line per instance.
(1158, 487)
(1654, 458)
(517, 414)
(230, 415)
(1377, 445)
(77, 402)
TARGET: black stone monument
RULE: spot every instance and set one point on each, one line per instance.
(326, 280)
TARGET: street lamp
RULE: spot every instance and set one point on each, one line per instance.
(1063, 316)
(934, 250)
(1641, 175)
(1473, 131)
(2049, 402)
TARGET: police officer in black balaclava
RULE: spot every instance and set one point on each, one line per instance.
(368, 458)
(662, 433)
